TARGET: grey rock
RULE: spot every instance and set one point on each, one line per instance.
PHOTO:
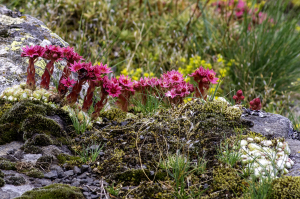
(14, 191)
(17, 31)
(94, 196)
(51, 175)
(85, 193)
(69, 173)
(295, 156)
(75, 184)
(84, 168)
(43, 182)
(59, 170)
(82, 176)
(273, 125)
(51, 150)
(76, 170)
(15, 145)
(32, 158)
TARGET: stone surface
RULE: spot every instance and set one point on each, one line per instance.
(15, 145)
(273, 125)
(32, 158)
(295, 156)
(18, 31)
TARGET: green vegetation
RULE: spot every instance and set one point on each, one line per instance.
(54, 191)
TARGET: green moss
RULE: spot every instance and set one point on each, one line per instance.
(42, 140)
(39, 124)
(2, 182)
(4, 108)
(1, 174)
(44, 162)
(16, 180)
(136, 176)
(35, 173)
(9, 133)
(286, 187)
(228, 179)
(28, 148)
(21, 110)
(54, 191)
(7, 165)
(114, 115)
(70, 160)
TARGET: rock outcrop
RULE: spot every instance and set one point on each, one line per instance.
(17, 31)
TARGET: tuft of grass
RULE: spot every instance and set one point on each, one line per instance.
(81, 126)
(113, 190)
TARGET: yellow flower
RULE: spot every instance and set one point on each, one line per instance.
(146, 74)
(182, 59)
(124, 72)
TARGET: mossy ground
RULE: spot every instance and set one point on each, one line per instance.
(31, 121)
(54, 191)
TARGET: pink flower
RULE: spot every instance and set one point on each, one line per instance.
(33, 51)
(68, 82)
(53, 53)
(175, 76)
(211, 75)
(76, 66)
(104, 68)
(125, 81)
(199, 74)
(113, 89)
(171, 93)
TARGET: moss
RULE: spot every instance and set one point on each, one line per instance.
(2, 182)
(136, 176)
(1, 174)
(16, 180)
(114, 115)
(6, 106)
(54, 191)
(7, 165)
(228, 179)
(233, 113)
(28, 148)
(70, 160)
(35, 173)
(21, 110)
(42, 140)
(285, 187)
(39, 124)
(9, 133)
(44, 162)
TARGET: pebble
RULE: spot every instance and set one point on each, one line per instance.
(51, 175)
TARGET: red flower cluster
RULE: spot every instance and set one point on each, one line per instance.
(203, 78)
(171, 86)
(33, 52)
(255, 104)
(238, 97)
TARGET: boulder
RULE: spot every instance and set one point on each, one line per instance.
(270, 125)
(17, 31)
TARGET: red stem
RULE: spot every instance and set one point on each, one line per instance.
(100, 105)
(47, 74)
(72, 97)
(88, 99)
(62, 90)
(30, 83)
